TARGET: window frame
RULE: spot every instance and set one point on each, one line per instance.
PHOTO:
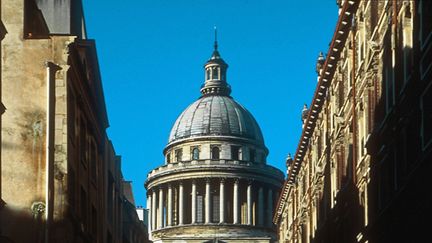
(212, 154)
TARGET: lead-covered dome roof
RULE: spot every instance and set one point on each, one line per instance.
(216, 115)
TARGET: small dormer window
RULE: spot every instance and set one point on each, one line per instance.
(215, 74)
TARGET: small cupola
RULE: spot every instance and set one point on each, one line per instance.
(215, 74)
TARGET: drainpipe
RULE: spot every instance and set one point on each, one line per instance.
(51, 70)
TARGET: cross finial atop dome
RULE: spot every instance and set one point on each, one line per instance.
(215, 74)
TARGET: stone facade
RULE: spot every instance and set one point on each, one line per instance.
(215, 184)
(60, 176)
(361, 166)
(2, 107)
(134, 229)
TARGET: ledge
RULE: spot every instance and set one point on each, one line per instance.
(222, 231)
(215, 168)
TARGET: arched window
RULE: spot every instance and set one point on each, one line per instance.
(215, 152)
(195, 153)
(178, 155)
(235, 152)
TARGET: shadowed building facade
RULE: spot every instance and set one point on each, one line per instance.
(362, 165)
(215, 183)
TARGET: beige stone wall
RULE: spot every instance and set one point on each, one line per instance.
(24, 124)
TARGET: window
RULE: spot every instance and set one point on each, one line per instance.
(93, 160)
(371, 109)
(72, 189)
(252, 154)
(34, 23)
(110, 197)
(215, 73)
(319, 146)
(373, 14)
(83, 205)
(407, 42)
(235, 152)
(426, 120)
(109, 237)
(341, 95)
(208, 74)
(387, 76)
(178, 155)
(72, 116)
(386, 179)
(425, 20)
(83, 141)
(94, 221)
(195, 153)
(215, 152)
(168, 158)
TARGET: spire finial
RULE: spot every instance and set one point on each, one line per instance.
(215, 42)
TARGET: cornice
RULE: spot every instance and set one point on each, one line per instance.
(337, 44)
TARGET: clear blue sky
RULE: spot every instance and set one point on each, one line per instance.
(151, 55)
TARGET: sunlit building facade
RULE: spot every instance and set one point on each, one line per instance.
(360, 171)
(215, 184)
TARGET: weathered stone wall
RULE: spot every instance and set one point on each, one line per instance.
(24, 124)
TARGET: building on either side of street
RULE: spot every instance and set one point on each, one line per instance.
(362, 164)
(134, 229)
(61, 179)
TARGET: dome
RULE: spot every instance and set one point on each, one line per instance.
(216, 115)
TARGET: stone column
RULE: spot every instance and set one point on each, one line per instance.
(169, 206)
(193, 203)
(207, 202)
(249, 203)
(236, 202)
(270, 208)
(161, 209)
(181, 201)
(154, 209)
(260, 206)
(222, 201)
(149, 208)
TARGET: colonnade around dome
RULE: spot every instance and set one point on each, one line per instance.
(211, 201)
